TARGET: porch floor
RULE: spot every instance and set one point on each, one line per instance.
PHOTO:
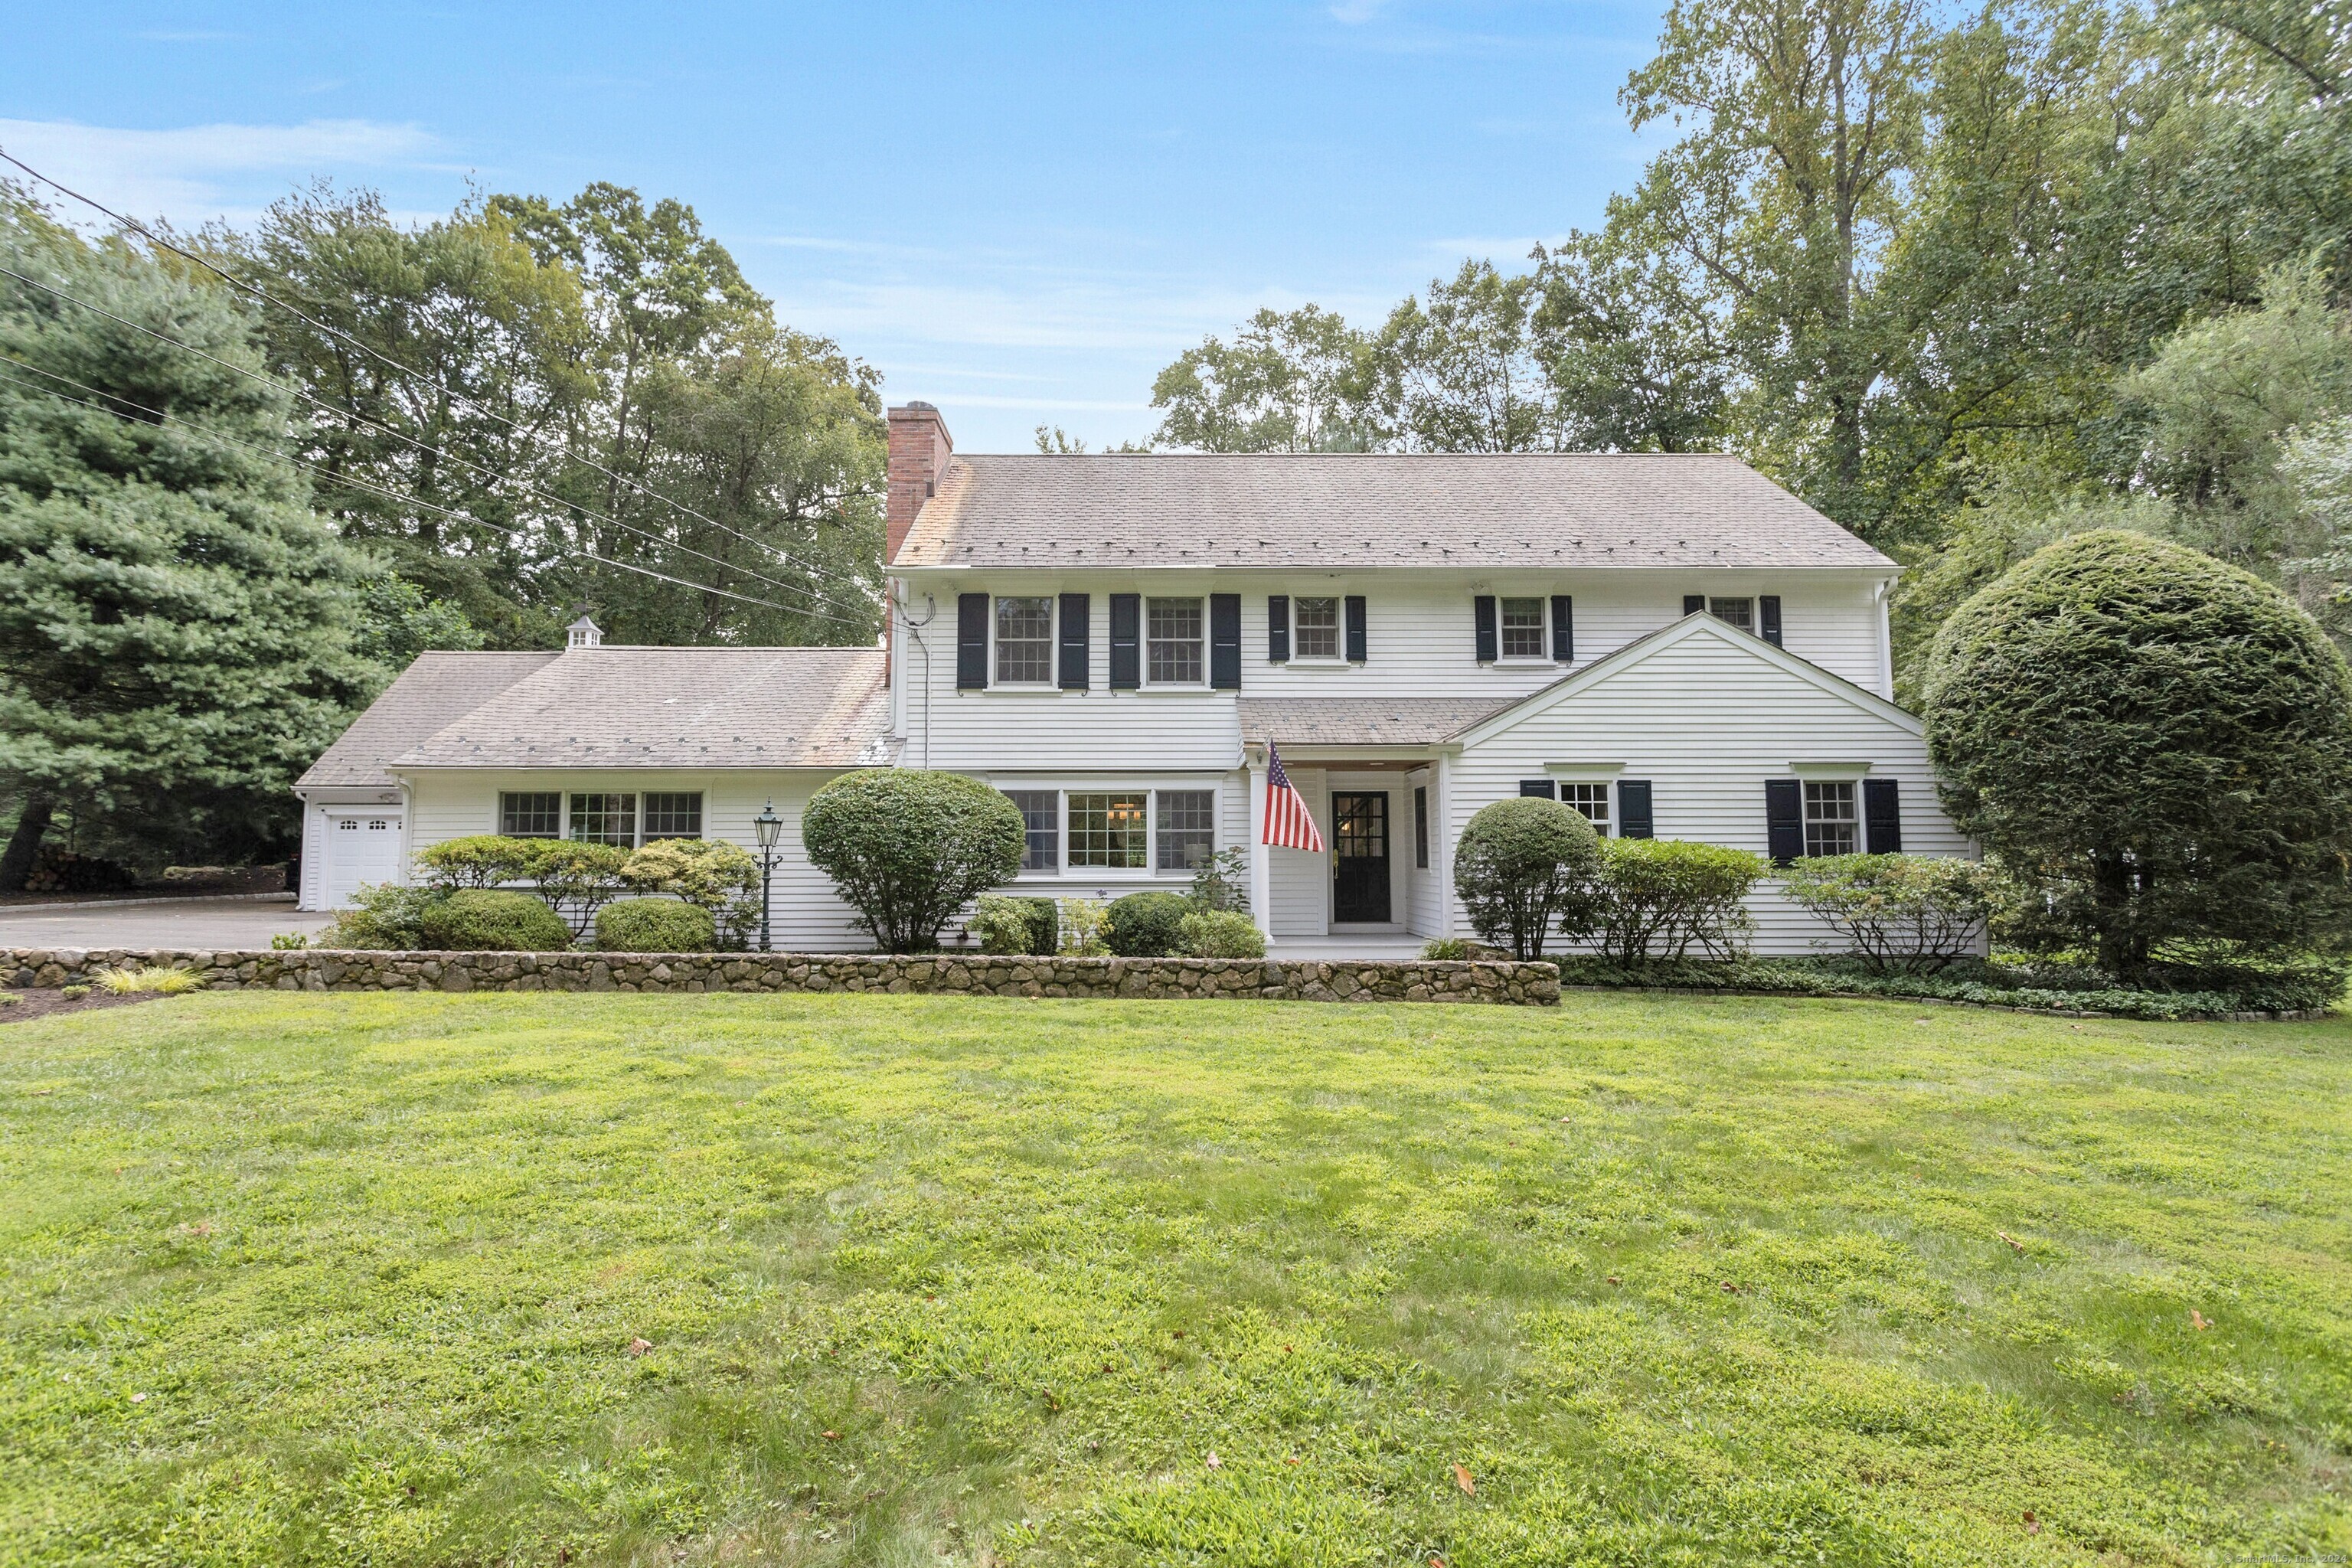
(1380, 945)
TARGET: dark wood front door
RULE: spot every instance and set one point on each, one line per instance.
(1360, 834)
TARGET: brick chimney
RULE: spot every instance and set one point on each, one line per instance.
(919, 448)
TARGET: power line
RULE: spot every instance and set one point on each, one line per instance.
(249, 447)
(135, 226)
(420, 444)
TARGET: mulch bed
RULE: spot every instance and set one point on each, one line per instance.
(31, 1004)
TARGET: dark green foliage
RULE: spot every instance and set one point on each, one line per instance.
(909, 849)
(574, 879)
(385, 917)
(1008, 925)
(1148, 925)
(1662, 897)
(1045, 924)
(655, 925)
(487, 919)
(2189, 992)
(2160, 744)
(175, 625)
(1219, 933)
(1524, 868)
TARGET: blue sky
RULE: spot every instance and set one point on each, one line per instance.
(1018, 213)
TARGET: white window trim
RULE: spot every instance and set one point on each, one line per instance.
(1825, 770)
(1143, 647)
(1053, 645)
(1337, 658)
(563, 793)
(1543, 630)
(1146, 875)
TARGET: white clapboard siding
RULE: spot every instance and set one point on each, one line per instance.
(1706, 719)
(1420, 639)
(805, 912)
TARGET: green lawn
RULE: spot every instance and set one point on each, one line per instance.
(356, 1278)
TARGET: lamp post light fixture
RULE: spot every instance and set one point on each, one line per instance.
(767, 825)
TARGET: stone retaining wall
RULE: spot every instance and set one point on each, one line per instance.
(1522, 984)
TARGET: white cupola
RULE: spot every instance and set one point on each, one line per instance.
(583, 633)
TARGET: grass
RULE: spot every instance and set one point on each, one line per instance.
(715, 1279)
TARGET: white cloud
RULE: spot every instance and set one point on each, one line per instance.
(193, 173)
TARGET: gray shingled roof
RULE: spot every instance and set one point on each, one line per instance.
(433, 692)
(1360, 720)
(1564, 509)
(677, 708)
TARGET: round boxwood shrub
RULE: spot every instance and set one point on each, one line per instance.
(908, 848)
(1219, 933)
(2159, 745)
(1148, 925)
(1526, 867)
(487, 921)
(655, 925)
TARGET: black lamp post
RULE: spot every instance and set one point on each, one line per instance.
(767, 824)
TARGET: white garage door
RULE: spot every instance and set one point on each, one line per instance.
(359, 849)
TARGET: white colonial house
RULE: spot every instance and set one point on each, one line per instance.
(1672, 644)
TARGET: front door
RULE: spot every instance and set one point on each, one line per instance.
(1360, 838)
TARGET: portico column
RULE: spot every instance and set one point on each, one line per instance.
(1261, 859)
(1440, 791)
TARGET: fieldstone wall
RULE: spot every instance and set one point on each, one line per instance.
(1520, 984)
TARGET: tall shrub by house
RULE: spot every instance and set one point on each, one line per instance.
(2159, 743)
(1525, 869)
(1660, 897)
(908, 847)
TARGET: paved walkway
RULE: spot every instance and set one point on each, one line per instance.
(176, 922)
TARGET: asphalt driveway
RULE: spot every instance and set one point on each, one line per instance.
(175, 922)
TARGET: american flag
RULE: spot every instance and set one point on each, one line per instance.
(1288, 824)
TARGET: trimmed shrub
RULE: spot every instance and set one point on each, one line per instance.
(1082, 922)
(655, 925)
(481, 860)
(1146, 925)
(720, 879)
(485, 920)
(574, 879)
(908, 848)
(384, 916)
(2159, 745)
(1219, 933)
(1445, 950)
(1005, 925)
(1909, 914)
(1660, 897)
(1526, 867)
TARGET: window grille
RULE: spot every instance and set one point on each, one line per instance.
(1109, 830)
(1740, 612)
(605, 819)
(1319, 627)
(1830, 821)
(1592, 799)
(1188, 827)
(673, 816)
(1175, 653)
(1024, 641)
(531, 816)
(1523, 628)
(1042, 827)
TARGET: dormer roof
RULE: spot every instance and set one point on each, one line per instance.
(1483, 512)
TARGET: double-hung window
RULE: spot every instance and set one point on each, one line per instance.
(1592, 799)
(1740, 612)
(1175, 642)
(1523, 628)
(1314, 628)
(673, 816)
(537, 814)
(1830, 825)
(1041, 823)
(1024, 641)
(1188, 827)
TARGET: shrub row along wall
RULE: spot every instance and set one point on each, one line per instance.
(1520, 984)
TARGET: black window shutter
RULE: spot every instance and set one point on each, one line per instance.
(1077, 630)
(1563, 630)
(1277, 628)
(1784, 820)
(1768, 618)
(1539, 788)
(1126, 641)
(1225, 641)
(1489, 646)
(1634, 819)
(1355, 628)
(971, 642)
(1882, 815)
(1694, 603)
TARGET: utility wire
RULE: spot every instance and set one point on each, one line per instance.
(400, 435)
(213, 434)
(135, 226)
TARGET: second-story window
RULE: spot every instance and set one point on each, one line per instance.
(1316, 624)
(1175, 650)
(1523, 628)
(1740, 612)
(1024, 641)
